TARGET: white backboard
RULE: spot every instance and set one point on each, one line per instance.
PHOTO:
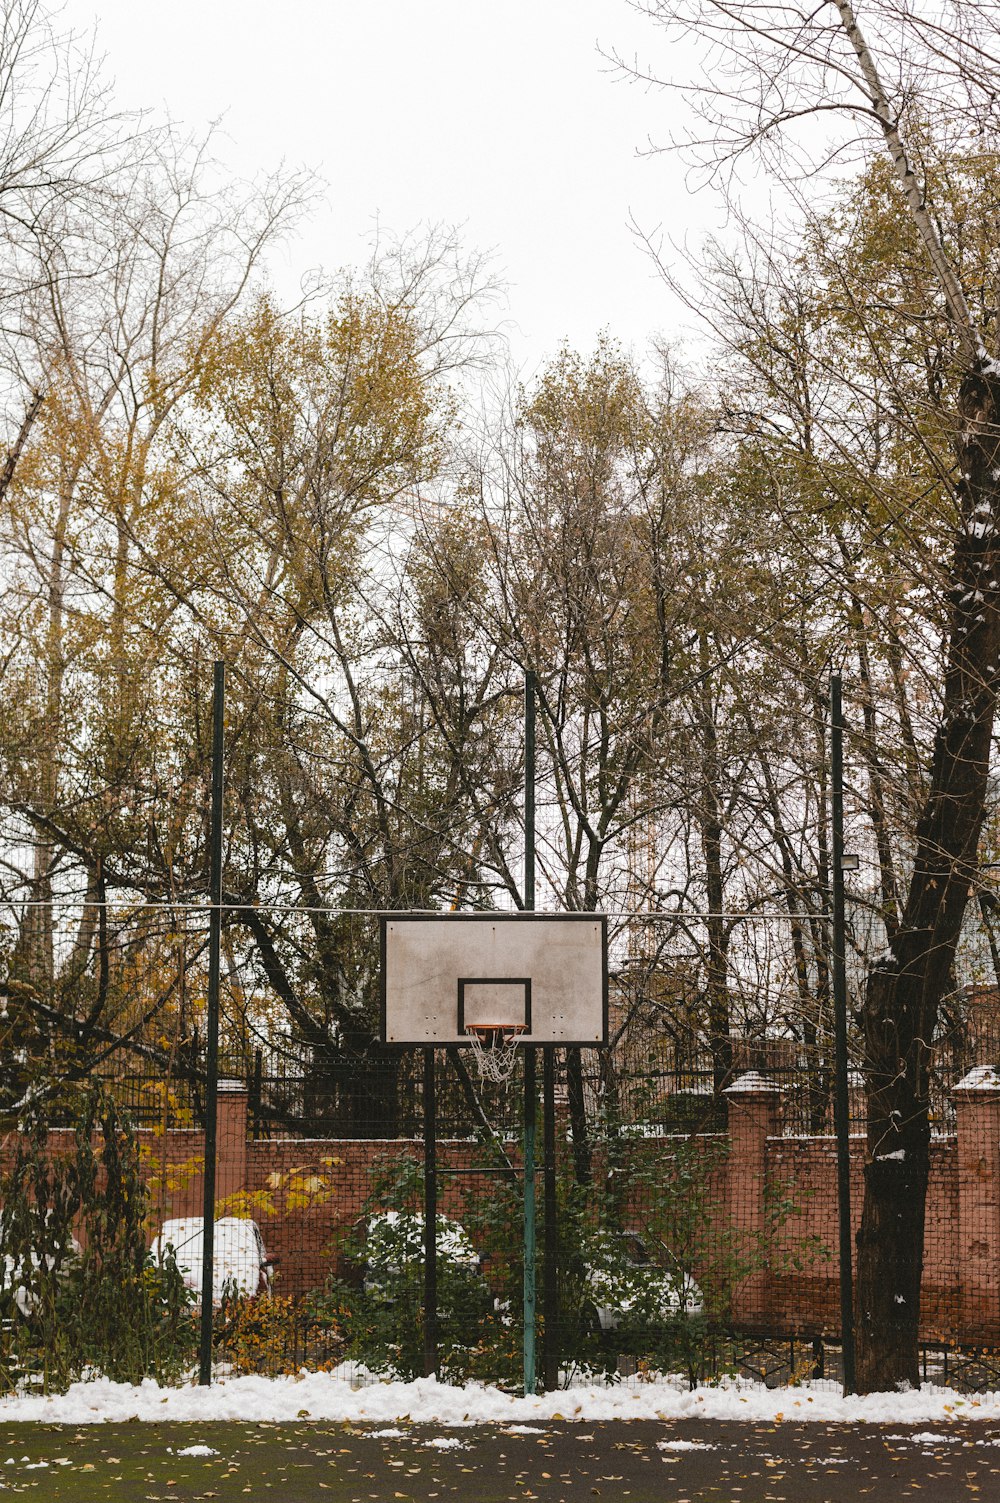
(547, 972)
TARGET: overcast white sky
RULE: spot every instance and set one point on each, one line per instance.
(503, 117)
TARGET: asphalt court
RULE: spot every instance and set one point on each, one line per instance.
(684, 1462)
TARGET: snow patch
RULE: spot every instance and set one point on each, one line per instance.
(752, 1083)
(982, 1078)
(330, 1397)
(684, 1445)
(198, 1451)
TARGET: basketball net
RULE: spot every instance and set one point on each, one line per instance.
(494, 1049)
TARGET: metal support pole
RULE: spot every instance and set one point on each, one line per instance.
(550, 1286)
(529, 1220)
(212, 1043)
(842, 1121)
(430, 1219)
(529, 792)
(529, 1053)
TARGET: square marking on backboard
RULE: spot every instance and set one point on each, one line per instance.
(494, 999)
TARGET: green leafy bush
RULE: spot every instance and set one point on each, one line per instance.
(661, 1306)
(78, 1290)
(382, 1310)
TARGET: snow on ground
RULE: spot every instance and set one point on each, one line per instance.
(328, 1397)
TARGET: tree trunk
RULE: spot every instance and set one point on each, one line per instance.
(710, 816)
(582, 1157)
(905, 987)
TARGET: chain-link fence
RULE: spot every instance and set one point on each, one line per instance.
(687, 1195)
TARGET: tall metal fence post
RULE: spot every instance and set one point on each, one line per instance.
(430, 1218)
(212, 1050)
(529, 1053)
(842, 1120)
(550, 1271)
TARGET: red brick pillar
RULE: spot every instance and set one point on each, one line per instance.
(977, 1113)
(231, 1139)
(753, 1118)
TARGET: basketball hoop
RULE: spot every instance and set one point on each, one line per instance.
(494, 1048)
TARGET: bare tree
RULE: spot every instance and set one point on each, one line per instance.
(117, 328)
(61, 137)
(64, 147)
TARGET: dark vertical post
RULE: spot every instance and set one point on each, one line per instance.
(550, 1286)
(529, 792)
(212, 1042)
(842, 1120)
(257, 1093)
(530, 1323)
(529, 1053)
(430, 1219)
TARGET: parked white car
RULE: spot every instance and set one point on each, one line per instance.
(625, 1284)
(240, 1259)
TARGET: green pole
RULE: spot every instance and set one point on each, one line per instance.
(529, 1220)
(430, 1219)
(529, 1053)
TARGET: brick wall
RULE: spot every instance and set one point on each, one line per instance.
(308, 1194)
(307, 1237)
(808, 1301)
(959, 1296)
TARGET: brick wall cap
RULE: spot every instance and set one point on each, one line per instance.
(231, 1087)
(984, 1079)
(752, 1083)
